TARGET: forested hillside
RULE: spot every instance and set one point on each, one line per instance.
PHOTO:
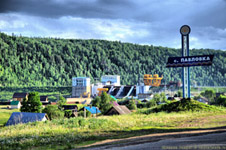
(53, 62)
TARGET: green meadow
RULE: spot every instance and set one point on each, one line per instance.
(74, 132)
(5, 114)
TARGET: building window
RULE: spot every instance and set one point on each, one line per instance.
(79, 82)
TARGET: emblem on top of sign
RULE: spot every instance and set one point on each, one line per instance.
(185, 30)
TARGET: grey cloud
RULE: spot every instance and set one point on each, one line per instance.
(160, 20)
(194, 12)
(55, 9)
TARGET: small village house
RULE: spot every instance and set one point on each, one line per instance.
(118, 110)
(19, 96)
(93, 110)
(15, 104)
(203, 100)
(73, 108)
(25, 117)
(44, 100)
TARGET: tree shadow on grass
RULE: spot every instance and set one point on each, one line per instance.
(80, 140)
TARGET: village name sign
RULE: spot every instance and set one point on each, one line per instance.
(187, 61)
(200, 60)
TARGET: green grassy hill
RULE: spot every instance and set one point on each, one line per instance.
(185, 105)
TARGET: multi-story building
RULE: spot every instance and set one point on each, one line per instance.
(80, 86)
(111, 80)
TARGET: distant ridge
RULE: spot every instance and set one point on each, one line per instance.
(53, 62)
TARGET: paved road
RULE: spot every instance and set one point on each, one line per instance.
(205, 142)
(213, 141)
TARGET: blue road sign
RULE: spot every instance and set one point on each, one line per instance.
(187, 61)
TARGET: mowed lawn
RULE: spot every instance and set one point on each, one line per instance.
(5, 114)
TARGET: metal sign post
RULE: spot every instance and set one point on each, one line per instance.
(185, 30)
(187, 61)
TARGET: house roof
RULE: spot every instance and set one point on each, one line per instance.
(20, 95)
(203, 99)
(70, 107)
(92, 109)
(121, 109)
(43, 98)
(14, 102)
(24, 117)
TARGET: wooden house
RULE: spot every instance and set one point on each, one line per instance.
(44, 98)
(15, 104)
(19, 96)
(118, 110)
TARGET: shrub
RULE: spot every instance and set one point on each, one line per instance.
(151, 103)
(132, 105)
(142, 105)
(82, 122)
(62, 101)
(179, 93)
(53, 112)
(68, 113)
(81, 114)
(221, 100)
(103, 102)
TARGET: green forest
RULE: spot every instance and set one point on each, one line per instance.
(53, 62)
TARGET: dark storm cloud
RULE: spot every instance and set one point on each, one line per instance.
(55, 9)
(211, 15)
(138, 21)
(194, 12)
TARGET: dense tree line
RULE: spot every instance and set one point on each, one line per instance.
(53, 62)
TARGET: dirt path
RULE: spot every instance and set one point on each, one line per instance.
(106, 144)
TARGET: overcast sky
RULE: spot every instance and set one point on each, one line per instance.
(151, 22)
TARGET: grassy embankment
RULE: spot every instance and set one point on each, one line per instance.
(69, 133)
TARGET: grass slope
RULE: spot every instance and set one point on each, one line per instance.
(185, 105)
(69, 133)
